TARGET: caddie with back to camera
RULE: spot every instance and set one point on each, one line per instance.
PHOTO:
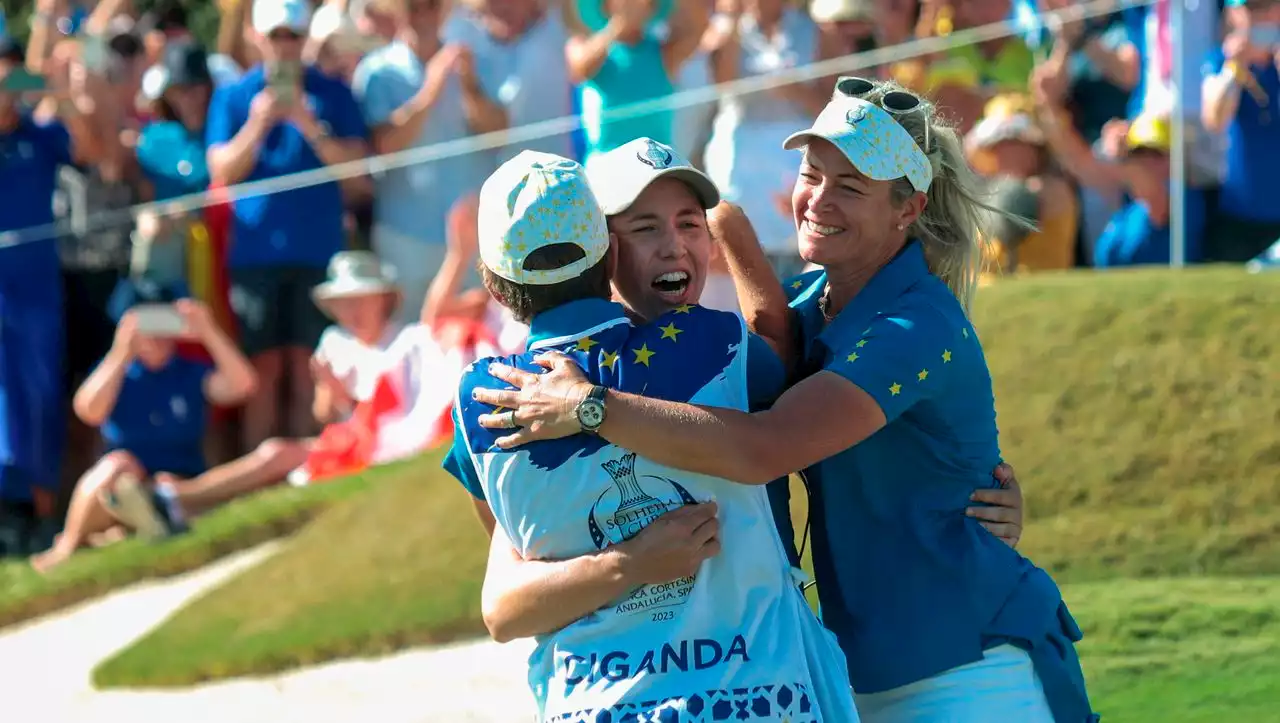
(734, 633)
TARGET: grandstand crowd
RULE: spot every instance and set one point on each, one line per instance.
(155, 365)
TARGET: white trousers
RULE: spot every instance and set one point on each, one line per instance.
(1002, 687)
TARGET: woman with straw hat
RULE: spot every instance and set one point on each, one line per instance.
(1008, 147)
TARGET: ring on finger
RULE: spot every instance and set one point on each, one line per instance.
(509, 420)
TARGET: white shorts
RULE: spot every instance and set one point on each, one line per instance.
(1003, 686)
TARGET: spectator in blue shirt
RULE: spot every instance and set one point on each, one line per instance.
(151, 405)
(894, 425)
(281, 118)
(1140, 232)
(1241, 99)
(33, 144)
(418, 92)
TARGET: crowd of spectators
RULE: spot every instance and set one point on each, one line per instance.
(105, 107)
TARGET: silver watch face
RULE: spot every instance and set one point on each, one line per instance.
(591, 413)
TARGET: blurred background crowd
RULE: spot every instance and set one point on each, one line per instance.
(108, 104)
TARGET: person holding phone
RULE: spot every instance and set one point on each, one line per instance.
(1241, 100)
(282, 117)
(41, 128)
(150, 404)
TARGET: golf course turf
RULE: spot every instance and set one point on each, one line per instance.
(1139, 408)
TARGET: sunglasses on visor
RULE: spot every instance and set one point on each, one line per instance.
(895, 102)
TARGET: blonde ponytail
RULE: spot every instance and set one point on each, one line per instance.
(956, 220)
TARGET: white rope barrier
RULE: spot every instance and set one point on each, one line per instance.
(557, 126)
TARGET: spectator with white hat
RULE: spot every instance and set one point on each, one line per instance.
(282, 117)
(1037, 231)
(335, 44)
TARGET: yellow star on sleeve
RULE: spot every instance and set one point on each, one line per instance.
(670, 331)
(683, 308)
(946, 356)
(923, 375)
(585, 344)
(797, 284)
(609, 359)
(861, 343)
(895, 389)
(643, 354)
(853, 357)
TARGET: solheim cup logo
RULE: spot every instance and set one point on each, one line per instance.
(626, 507)
(632, 502)
(655, 155)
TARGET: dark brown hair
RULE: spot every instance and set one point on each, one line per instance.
(528, 300)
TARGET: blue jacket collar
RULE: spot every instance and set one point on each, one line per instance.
(573, 321)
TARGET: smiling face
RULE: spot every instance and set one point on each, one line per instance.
(842, 217)
(664, 248)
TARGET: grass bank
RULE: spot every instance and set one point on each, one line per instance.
(1139, 409)
(25, 594)
(400, 565)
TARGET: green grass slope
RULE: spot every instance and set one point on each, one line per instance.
(1141, 409)
(1138, 408)
(25, 594)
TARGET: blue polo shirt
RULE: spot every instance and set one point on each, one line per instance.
(910, 585)
(32, 422)
(1251, 186)
(300, 227)
(765, 372)
(160, 416)
(29, 160)
(1131, 238)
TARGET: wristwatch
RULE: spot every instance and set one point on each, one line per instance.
(591, 411)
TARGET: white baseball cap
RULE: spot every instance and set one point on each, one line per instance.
(269, 15)
(533, 201)
(873, 141)
(621, 175)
